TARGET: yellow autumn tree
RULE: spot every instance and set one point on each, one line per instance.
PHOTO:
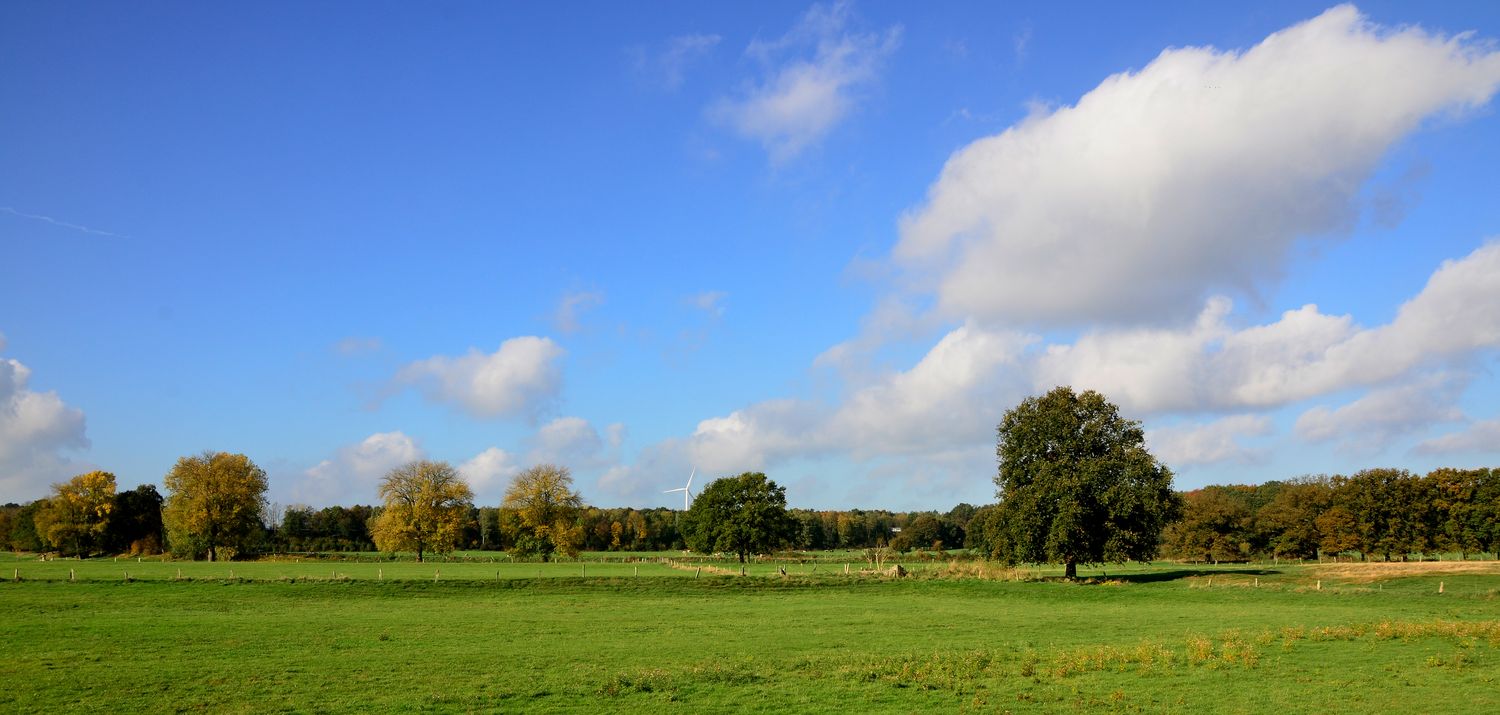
(214, 505)
(543, 498)
(77, 515)
(426, 507)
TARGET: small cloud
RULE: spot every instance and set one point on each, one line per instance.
(1021, 43)
(1211, 443)
(570, 310)
(354, 471)
(352, 346)
(1480, 438)
(487, 473)
(566, 440)
(710, 302)
(812, 79)
(519, 378)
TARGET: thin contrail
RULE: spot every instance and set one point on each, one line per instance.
(55, 222)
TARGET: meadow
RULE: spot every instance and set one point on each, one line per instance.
(338, 636)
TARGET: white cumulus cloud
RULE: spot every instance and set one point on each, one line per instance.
(1191, 176)
(519, 379)
(1209, 443)
(352, 475)
(36, 429)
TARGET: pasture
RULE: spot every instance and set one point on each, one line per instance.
(284, 636)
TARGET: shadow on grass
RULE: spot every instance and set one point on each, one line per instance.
(1178, 574)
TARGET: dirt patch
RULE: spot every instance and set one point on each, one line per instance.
(1385, 570)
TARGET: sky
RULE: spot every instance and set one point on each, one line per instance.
(832, 242)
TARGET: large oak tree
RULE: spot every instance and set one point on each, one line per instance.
(1076, 485)
(740, 515)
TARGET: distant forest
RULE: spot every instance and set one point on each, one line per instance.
(1377, 513)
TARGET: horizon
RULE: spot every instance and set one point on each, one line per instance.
(830, 242)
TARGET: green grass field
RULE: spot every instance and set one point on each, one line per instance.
(321, 636)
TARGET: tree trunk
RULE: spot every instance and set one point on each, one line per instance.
(1070, 570)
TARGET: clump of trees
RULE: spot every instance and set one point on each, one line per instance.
(1389, 513)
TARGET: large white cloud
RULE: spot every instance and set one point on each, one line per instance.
(801, 98)
(36, 429)
(520, 378)
(953, 397)
(1189, 177)
(1303, 355)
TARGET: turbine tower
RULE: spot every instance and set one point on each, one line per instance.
(687, 491)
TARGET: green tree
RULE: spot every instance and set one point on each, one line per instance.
(23, 532)
(78, 513)
(426, 507)
(1291, 518)
(740, 515)
(547, 507)
(135, 522)
(1214, 527)
(1076, 484)
(214, 504)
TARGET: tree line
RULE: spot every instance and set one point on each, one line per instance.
(1075, 485)
(215, 508)
(1384, 513)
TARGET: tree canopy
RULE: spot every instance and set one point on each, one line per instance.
(740, 515)
(544, 501)
(76, 516)
(1076, 485)
(214, 505)
(426, 508)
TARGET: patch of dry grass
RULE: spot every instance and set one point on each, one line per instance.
(1372, 571)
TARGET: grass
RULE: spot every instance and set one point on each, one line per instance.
(1144, 639)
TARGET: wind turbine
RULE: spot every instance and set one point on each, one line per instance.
(687, 491)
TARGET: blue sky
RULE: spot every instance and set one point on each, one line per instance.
(831, 242)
